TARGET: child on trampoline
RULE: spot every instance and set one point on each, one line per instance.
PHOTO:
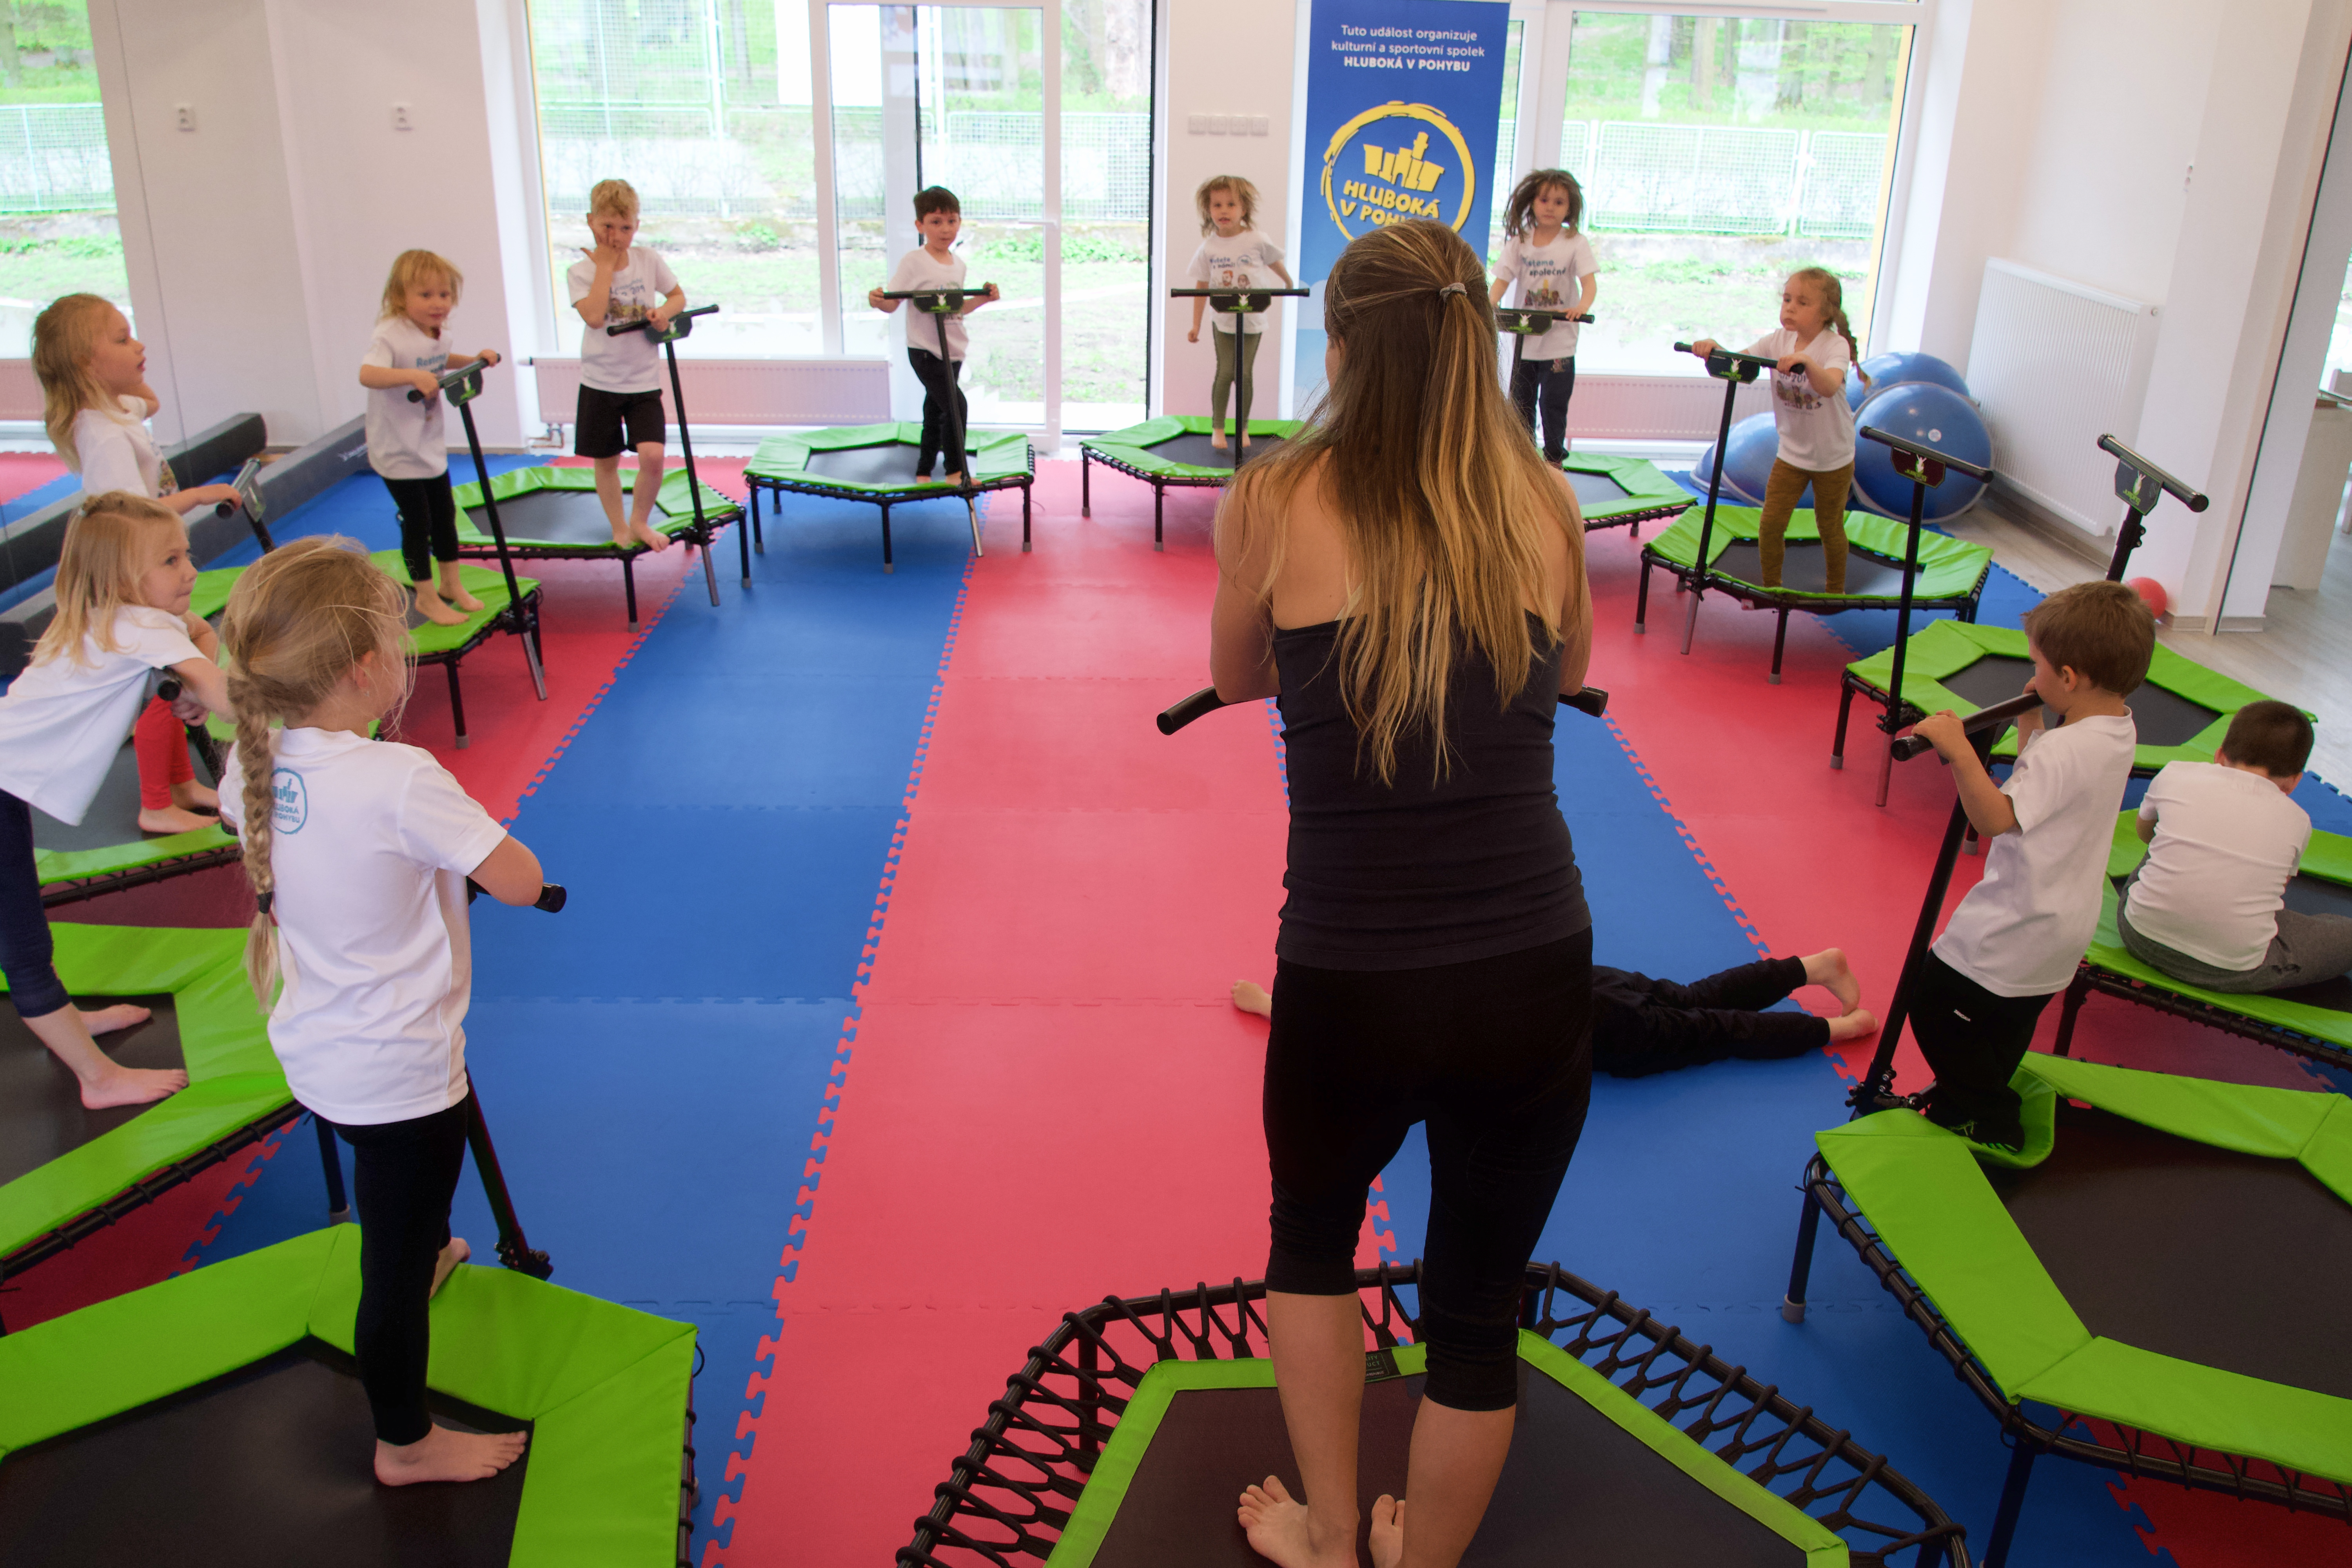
(408, 354)
(359, 852)
(934, 264)
(1642, 1026)
(2015, 940)
(123, 614)
(619, 283)
(96, 402)
(1814, 349)
(2224, 842)
(1232, 255)
(1547, 256)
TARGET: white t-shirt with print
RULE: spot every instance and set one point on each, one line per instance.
(1816, 432)
(918, 268)
(2226, 842)
(631, 362)
(370, 846)
(1246, 260)
(2022, 930)
(62, 720)
(403, 438)
(117, 453)
(1549, 278)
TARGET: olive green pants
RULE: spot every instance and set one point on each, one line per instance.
(1223, 384)
(1780, 492)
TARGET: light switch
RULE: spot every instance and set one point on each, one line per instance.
(400, 120)
(1258, 125)
(184, 116)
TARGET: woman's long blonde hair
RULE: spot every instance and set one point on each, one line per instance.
(111, 543)
(65, 338)
(1446, 509)
(297, 623)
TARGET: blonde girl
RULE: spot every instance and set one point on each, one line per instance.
(406, 448)
(96, 402)
(1545, 254)
(1408, 578)
(1815, 350)
(1232, 255)
(359, 851)
(122, 615)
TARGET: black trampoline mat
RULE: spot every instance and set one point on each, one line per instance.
(2162, 717)
(113, 815)
(1575, 1489)
(1595, 487)
(2229, 1260)
(2309, 895)
(1195, 449)
(890, 463)
(553, 517)
(269, 1464)
(41, 1114)
(1805, 570)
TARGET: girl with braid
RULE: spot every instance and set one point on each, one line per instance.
(359, 852)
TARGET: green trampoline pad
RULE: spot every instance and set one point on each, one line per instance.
(2173, 1211)
(1623, 489)
(1590, 1465)
(878, 460)
(1950, 572)
(107, 839)
(427, 640)
(192, 1380)
(550, 511)
(1175, 449)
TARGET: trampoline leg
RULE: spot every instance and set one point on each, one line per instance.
(338, 1207)
(530, 657)
(1846, 711)
(972, 515)
(887, 564)
(1779, 641)
(2078, 991)
(2012, 1503)
(710, 574)
(1024, 520)
(1641, 601)
(1158, 502)
(743, 547)
(1801, 1269)
(1885, 767)
(513, 1251)
(1690, 621)
(1086, 485)
(457, 700)
(629, 585)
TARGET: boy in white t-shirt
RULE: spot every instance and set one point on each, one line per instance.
(1544, 253)
(1232, 255)
(947, 417)
(2015, 940)
(618, 284)
(2223, 841)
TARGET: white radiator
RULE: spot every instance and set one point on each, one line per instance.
(1658, 407)
(746, 390)
(20, 390)
(2056, 365)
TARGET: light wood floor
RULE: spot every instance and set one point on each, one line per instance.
(2303, 655)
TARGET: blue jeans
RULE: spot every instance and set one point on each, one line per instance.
(24, 946)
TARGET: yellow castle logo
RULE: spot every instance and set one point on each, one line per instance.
(1404, 165)
(1398, 181)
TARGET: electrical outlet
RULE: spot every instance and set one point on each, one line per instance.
(400, 120)
(184, 116)
(1197, 124)
(1258, 125)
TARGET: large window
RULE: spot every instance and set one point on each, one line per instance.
(58, 233)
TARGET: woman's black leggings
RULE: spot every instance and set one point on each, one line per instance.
(404, 1176)
(1496, 1056)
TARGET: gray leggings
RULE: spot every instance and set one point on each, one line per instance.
(2308, 950)
(1223, 384)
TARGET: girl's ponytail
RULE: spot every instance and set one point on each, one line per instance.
(1833, 301)
(256, 760)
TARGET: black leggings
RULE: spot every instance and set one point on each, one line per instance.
(25, 945)
(404, 1176)
(1974, 1039)
(1496, 1056)
(1642, 1026)
(939, 378)
(1549, 381)
(428, 523)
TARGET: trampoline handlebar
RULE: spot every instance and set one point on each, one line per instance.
(1521, 322)
(1984, 718)
(248, 491)
(956, 296)
(552, 895)
(1236, 292)
(453, 378)
(1591, 700)
(2186, 494)
(647, 327)
(1731, 360)
(1925, 453)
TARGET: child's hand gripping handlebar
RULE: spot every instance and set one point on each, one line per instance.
(551, 895)
(679, 326)
(937, 300)
(1527, 323)
(247, 485)
(460, 385)
(1731, 364)
(1592, 700)
(1984, 721)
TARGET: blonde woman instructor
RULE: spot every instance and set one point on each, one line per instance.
(1408, 577)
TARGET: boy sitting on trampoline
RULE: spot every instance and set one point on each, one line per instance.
(2015, 940)
(2224, 842)
(622, 284)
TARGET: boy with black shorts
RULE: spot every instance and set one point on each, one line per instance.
(622, 284)
(2015, 940)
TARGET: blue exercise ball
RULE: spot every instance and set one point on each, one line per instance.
(1703, 475)
(1888, 371)
(1935, 416)
(1755, 442)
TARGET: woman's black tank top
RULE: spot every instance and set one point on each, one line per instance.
(1419, 872)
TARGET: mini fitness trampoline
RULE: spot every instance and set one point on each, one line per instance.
(1951, 573)
(2155, 1285)
(876, 463)
(66, 1173)
(2313, 1021)
(1172, 451)
(226, 1401)
(106, 851)
(553, 514)
(1612, 490)
(1125, 1440)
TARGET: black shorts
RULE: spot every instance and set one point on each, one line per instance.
(604, 416)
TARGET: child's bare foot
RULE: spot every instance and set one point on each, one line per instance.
(107, 1020)
(130, 1085)
(1857, 1024)
(1217, 439)
(171, 819)
(453, 593)
(954, 479)
(447, 1455)
(190, 795)
(1829, 969)
(1388, 1532)
(430, 605)
(454, 1254)
(1280, 1531)
(646, 534)
(1251, 997)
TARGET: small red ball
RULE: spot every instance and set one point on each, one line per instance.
(2151, 594)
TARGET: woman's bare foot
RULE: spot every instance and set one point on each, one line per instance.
(1829, 969)
(130, 1085)
(646, 534)
(107, 1020)
(1217, 439)
(1282, 1531)
(190, 795)
(454, 1254)
(445, 1455)
(1854, 1026)
(171, 819)
(1251, 997)
(1388, 1532)
(430, 605)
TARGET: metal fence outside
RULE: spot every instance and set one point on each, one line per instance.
(1642, 177)
(53, 159)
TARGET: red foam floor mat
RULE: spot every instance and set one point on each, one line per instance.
(23, 471)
